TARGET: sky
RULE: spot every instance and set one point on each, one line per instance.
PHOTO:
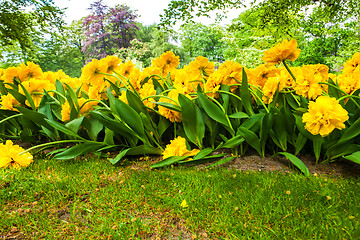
(149, 10)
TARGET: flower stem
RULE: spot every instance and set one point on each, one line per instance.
(288, 69)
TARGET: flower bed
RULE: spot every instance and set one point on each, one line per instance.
(185, 114)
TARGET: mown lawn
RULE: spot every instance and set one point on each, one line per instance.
(88, 198)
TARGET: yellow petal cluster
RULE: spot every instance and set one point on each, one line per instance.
(177, 147)
(8, 102)
(172, 115)
(10, 156)
(324, 115)
(353, 64)
(167, 62)
(282, 51)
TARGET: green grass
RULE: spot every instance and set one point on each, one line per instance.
(91, 199)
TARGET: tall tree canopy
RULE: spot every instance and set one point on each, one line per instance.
(20, 18)
(280, 12)
(108, 29)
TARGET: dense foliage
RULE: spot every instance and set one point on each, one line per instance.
(108, 29)
(17, 25)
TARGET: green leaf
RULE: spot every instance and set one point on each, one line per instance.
(170, 106)
(297, 162)
(239, 115)
(3, 89)
(253, 122)
(190, 115)
(116, 126)
(75, 124)
(317, 144)
(78, 150)
(222, 161)
(290, 99)
(300, 143)
(92, 126)
(34, 116)
(355, 157)
(169, 161)
(63, 128)
(351, 132)
(71, 93)
(213, 110)
(136, 103)
(18, 96)
(232, 142)
(245, 94)
(266, 126)
(28, 97)
(203, 159)
(203, 153)
(131, 117)
(251, 138)
(138, 150)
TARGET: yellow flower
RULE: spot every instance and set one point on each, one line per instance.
(282, 51)
(307, 82)
(177, 147)
(126, 68)
(29, 71)
(112, 63)
(85, 107)
(36, 88)
(349, 82)
(150, 71)
(200, 68)
(65, 112)
(8, 102)
(134, 79)
(167, 62)
(259, 75)
(324, 115)
(11, 73)
(353, 64)
(10, 156)
(147, 90)
(92, 72)
(172, 115)
(269, 89)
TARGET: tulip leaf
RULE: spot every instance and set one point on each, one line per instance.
(355, 157)
(245, 94)
(251, 138)
(213, 110)
(78, 150)
(169, 161)
(296, 161)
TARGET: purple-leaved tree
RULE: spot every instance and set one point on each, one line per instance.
(108, 29)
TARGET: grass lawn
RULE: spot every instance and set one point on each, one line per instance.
(89, 198)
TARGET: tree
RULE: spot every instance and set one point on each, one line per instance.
(279, 12)
(108, 29)
(200, 40)
(63, 51)
(17, 25)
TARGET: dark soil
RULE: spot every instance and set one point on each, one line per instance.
(254, 162)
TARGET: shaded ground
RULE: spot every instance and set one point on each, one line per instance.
(254, 162)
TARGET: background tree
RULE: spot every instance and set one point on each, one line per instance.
(200, 40)
(108, 29)
(17, 25)
(63, 50)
